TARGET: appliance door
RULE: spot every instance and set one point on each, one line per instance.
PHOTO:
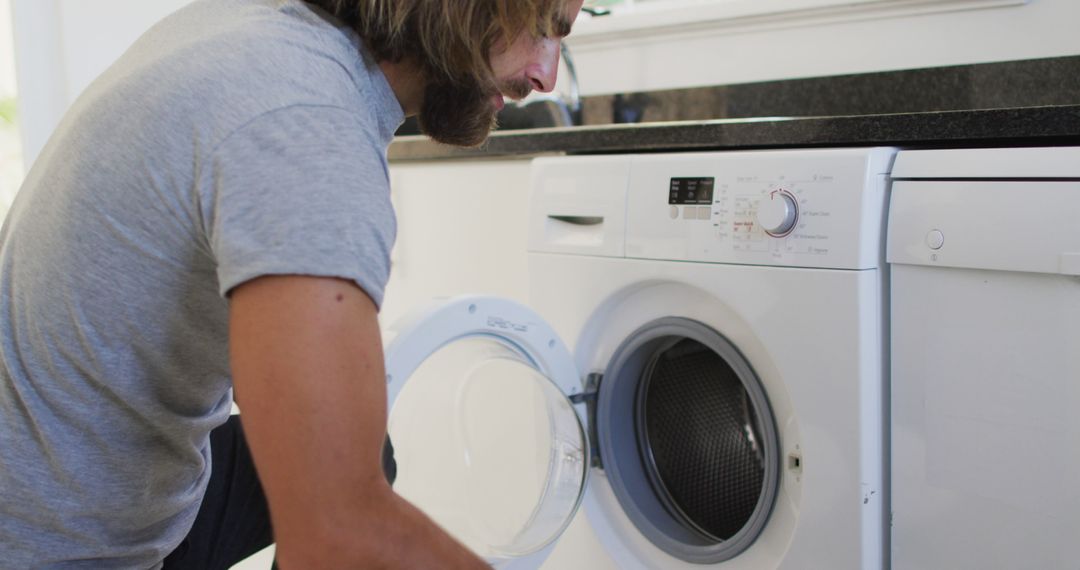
(985, 331)
(486, 440)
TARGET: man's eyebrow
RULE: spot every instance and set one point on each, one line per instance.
(562, 26)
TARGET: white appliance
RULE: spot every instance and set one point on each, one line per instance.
(985, 253)
(701, 366)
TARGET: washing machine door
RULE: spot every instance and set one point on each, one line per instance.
(486, 440)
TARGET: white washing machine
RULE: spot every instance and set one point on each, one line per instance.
(700, 365)
(985, 253)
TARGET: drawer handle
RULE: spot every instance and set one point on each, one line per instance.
(579, 220)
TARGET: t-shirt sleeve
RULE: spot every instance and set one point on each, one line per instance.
(302, 190)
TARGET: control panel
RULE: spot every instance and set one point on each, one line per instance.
(805, 208)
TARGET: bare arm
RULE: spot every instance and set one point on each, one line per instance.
(307, 360)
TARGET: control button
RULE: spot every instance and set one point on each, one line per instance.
(935, 239)
(674, 213)
(704, 212)
(777, 213)
(689, 213)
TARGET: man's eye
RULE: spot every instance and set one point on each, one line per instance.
(559, 28)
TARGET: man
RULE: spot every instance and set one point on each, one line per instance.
(213, 216)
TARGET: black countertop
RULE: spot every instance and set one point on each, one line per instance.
(1022, 103)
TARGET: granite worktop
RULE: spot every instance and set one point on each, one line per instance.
(1018, 103)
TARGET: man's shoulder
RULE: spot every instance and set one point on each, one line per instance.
(240, 53)
(219, 64)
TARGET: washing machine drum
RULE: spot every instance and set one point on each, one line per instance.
(490, 446)
(688, 441)
(701, 434)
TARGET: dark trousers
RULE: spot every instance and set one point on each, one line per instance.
(233, 521)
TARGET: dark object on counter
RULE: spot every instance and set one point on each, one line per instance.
(629, 108)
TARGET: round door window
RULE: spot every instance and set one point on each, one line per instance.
(688, 440)
(488, 447)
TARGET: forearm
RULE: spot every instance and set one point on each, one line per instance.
(307, 361)
(395, 535)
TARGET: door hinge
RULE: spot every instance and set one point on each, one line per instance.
(589, 397)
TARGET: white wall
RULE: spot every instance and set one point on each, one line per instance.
(62, 45)
(11, 163)
(738, 41)
(7, 60)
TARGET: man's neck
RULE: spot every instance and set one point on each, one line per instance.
(407, 81)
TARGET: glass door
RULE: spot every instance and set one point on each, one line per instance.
(486, 441)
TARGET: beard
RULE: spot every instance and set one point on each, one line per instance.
(463, 113)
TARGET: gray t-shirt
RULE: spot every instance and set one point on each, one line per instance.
(237, 138)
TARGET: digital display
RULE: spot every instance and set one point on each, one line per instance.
(691, 191)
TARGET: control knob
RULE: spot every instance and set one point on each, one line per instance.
(777, 213)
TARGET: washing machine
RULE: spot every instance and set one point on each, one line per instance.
(699, 370)
(984, 246)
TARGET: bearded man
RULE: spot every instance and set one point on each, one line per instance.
(212, 217)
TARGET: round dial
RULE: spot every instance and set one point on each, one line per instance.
(777, 213)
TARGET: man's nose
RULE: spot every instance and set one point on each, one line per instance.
(544, 70)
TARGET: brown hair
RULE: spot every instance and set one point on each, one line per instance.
(451, 39)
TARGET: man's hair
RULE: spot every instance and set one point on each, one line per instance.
(450, 39)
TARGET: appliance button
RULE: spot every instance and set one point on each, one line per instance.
(674, 213)
(935, 239)
(704, 212)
